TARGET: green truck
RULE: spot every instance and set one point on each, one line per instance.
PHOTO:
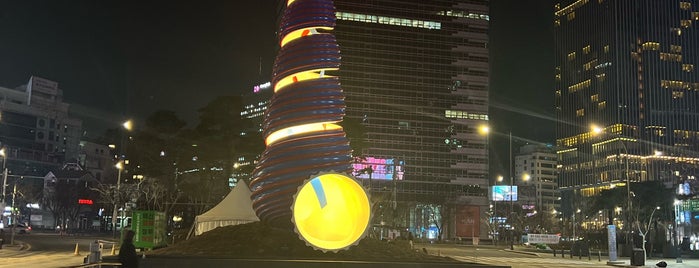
(151, 229)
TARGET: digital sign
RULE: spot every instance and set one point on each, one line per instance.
(382, 168)
(503, 193)
(85, 201)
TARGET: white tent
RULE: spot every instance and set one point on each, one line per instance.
(235, 209)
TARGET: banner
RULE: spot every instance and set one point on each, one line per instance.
(543, 238)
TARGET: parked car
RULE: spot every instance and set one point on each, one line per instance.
(19, 229)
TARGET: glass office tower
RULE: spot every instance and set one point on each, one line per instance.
(626, 93)
(415, 75)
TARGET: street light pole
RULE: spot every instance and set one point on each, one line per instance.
(128, 126)
(116, 199)
(512, 182)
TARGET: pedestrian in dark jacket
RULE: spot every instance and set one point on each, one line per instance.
(127, 251)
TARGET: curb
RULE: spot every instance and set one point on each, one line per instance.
(522, 252)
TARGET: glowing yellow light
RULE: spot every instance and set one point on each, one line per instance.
(300, 33)
(331, 211)
(300, 129)
(298, 77)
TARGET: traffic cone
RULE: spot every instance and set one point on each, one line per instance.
(77, 249)
(113, 250)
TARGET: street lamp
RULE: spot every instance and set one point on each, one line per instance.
(119, 166)
(128, 125)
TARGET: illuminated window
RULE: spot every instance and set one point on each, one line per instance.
(688, 67)
(589, 65)
(569, 8)
(571, 16)
(685, 5)
(557, 22)
(594, 98)
(586, 49)
(463, 14)
(601, 77)
(580, 112)
(571, 55)
(686, 23)
(606, 49)
(676, 49)
(678, 31)
(670, 57)
(464, 115)
(677, 94)
(388, 20)
(673, 84)
(558, 77)
(651, 46)
(602, 105)
(579, 86)
(695, 15)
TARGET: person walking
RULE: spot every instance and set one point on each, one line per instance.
(127, 251)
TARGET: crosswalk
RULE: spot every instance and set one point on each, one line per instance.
(521, 262)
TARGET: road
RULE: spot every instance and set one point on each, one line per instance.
(499, 256)
(50, 250)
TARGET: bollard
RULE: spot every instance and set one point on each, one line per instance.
(77, 250)
(563, 253)
(113, 250)
(571, 253)
(599, 255)
(554, 252)
(589, 256)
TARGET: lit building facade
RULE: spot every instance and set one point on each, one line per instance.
(35, 129)
(415, 75)
(255, 103)
(627, 93)
(536, 174)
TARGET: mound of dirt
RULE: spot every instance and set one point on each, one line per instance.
(258, 240)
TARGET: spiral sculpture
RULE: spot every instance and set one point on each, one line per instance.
(301, 130)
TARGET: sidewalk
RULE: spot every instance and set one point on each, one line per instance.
(621, 261)
(11, 250)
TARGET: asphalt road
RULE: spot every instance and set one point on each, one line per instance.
(52, 250)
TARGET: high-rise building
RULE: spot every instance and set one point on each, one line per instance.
(535, 170)
(35, 128)
(627, 93)
(415, 75)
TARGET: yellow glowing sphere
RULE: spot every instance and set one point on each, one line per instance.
(331, 212)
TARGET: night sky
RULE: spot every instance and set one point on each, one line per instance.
(123, 59)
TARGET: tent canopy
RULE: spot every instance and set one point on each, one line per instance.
(236, 208)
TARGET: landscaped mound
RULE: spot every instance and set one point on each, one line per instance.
(260, 241)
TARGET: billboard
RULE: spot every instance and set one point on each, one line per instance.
(382, 168)
(503, 193)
